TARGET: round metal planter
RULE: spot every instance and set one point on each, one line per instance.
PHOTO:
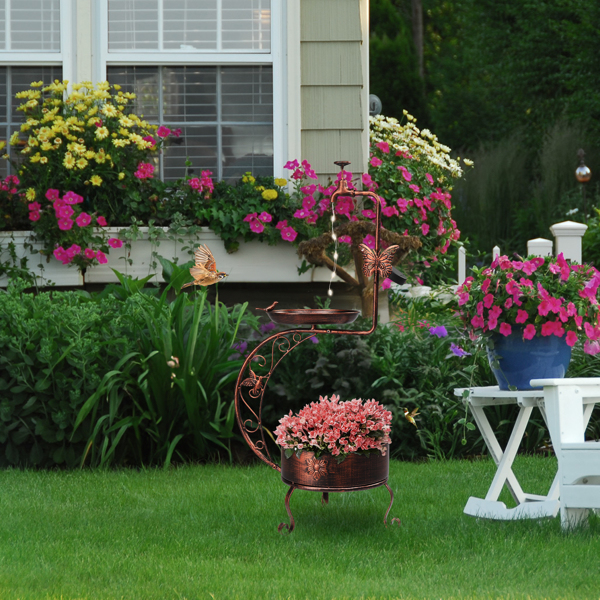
(325, 474)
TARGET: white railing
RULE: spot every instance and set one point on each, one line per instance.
(567, 239)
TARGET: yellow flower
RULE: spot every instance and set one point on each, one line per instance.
(96, 180)
(37, 84)
(102, 132)
(69, 161)
(35, 158)
(260, 188)
(81, 163)
(109, 110)
(46, 146)
(468, 162)
(126, 121)
(247, 178)
(2, 145)
(280, 182)
(57, 141)
(120, 143)
(30, 194)
(100, 157)
(121, 176)
(25, 127)
(43, 160)
(269, 194)
(14, 138)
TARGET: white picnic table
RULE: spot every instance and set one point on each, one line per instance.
(580, 395)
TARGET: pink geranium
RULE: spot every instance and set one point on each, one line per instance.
(337, 428)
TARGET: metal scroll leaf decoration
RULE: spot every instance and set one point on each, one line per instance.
(381, 261)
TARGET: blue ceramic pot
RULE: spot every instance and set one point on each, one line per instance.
(521, 360)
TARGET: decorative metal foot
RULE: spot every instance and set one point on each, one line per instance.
(387, 512)
(325, 498)
(284, 526)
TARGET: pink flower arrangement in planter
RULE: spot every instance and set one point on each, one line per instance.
(336, 428)
(537, 296)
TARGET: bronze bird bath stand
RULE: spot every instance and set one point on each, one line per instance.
(360, 472)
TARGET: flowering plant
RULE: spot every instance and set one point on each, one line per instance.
(85, 161)
(337, 428)
(412, 172)
(537, 295)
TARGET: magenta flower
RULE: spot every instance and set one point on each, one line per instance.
(288, 234)
(405, 173)
(72, 198)
(281, 224)
(505, 329)
(101, 257)
(415, 188)
(522, 316)
(65, 224)
(571, 338)
(384, 147)
(52, 194)
(64, 212)
(387, 283)
(150, 139)
(115, 242)
(101, 221)
(308, 202)
(33, 206)
(368, 182)
(369, 241)
(345, 239)
(529, 332)
(34, 215)
(265, 217)
(89, 253)
(402, 204)
(83, 220)
(308, 170)
(370, 214)
(163, 131)
(429, 178)
(256, 226)
(424, 228)
(376, 162)
(144, 171)
(73, 251)
(60, 254)
(292, 165)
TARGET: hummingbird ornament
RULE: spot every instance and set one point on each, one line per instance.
(204, 271)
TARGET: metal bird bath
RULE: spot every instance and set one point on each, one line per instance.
(359, 472)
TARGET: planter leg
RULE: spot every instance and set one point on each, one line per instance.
(325, 498)
(292, 524)
(395, 520)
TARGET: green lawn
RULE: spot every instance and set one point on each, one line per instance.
(211, 532)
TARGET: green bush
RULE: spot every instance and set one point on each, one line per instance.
(94, 380)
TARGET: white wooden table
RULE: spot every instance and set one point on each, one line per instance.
(529, 506)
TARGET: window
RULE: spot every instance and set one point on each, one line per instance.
(204, 67)
(30, 25)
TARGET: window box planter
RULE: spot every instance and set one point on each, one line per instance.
(254, 262)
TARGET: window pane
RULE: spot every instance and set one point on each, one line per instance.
(246, 25)
(35, 25)
(2, 24)
(12, 81)
(247, 148)
(132, 25)
(247, 93)
(190, 25)
(190, 94)
(143, 82)
(196, 144)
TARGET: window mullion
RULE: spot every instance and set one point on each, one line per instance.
(8, 44)
(160, 115)
(161, 19)
(219, 126)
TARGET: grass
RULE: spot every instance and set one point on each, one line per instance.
(211, 532)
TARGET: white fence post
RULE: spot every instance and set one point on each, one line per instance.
(495, 252)
(539, 247)
(462, 265)
(567, 236)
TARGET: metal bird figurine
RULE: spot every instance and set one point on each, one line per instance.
(204, 271)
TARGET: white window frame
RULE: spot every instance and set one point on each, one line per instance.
(274, 58)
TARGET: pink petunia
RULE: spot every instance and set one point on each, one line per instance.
(415, 188)
(265, 217)
(52, 194)
(429, 178)
(384, 147)
(34, 206)
(73, 251)
(345, 239)
(256, 226)
(72, 198)
(34, 215)
(101, 221)
(89, 253)
(505, 329)
(376, 162)
(405, 173)
(424, 228)
(369, 241)
(292, 165)
(64, 212)
(83, 220)
(571, 338)
(281, 224)
(163, 131)
(288, 234)
(60, 254)
(529, 332)
(390, 211)
(150, 139)
(115, 242)
(65, 224)
(522, 316)
(101, 257)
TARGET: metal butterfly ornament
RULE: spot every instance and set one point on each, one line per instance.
(381, 261)
(204, 271)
